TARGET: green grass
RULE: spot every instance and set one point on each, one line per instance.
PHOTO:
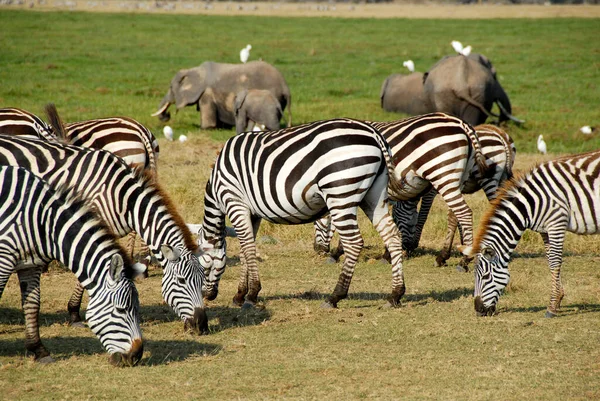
(94, 65)
(433, 347)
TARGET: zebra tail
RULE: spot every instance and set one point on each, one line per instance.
(56, 123)
(479, 157)
(152, 163)
(394, 183)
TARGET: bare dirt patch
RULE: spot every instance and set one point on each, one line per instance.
(343, 10)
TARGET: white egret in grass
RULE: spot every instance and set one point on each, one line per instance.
(182, 138)
(587, 130)
(168, 131)
(410, 65)
(245, 53)
(541, 145)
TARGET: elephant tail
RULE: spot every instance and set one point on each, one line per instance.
(56, 123)
(478, 154)
(383, 90)
(289, 107)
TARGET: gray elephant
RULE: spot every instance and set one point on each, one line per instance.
(404, 94)
(212, 88)
(467, 89)
(256, 107)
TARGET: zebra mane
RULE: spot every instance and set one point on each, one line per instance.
(148, 180)
(70, 197)
(507, 190)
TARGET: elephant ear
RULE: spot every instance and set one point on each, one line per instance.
(239, 101)
(187, 87)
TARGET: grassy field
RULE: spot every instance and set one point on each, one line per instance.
(433, 347)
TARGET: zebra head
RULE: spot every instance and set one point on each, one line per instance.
(213, 260)
(491, 276)
(113, 315)
(182, 283)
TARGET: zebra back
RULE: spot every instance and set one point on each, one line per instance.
(15, 121)
(123, 136)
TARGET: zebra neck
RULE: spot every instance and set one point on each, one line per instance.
(505, 227)
(152, 220)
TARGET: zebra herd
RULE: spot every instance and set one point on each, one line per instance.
(320, 172)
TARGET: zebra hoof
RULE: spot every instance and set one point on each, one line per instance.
(247, 306)
(46, 360)
(79, 325)
(328, 305)
(389, 305)
(462, 269)
(550, 314)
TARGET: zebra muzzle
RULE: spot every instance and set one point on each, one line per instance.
(131, 358)
(199, 323)
(481, 309)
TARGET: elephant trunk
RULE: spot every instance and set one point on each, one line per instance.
(162, 112)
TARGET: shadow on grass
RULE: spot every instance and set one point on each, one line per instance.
(565, 310)
(421, 299)
(232, 317)
(161, 352)
(14, 316)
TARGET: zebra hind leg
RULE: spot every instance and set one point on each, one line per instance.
(74, 306)
(249, 285)
(29, 280)
(351, 240)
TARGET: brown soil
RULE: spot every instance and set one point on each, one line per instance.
(345, 10)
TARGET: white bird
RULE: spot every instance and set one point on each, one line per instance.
(410, 65)
(182, 138)
(259, 127)
(466, 51)
(586, 129)
(458, 47)
(245, 53)
(541, 145)
(168, 131)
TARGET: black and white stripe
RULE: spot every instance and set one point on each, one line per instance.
(122, 136)
(127, 201)
(39, 224)
(295, 176)
(499, 151)
(553, 198)
(433, 151)
(14, 121)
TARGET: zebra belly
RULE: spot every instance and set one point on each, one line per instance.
(412, 187)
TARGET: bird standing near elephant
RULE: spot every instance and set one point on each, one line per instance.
(212, 88)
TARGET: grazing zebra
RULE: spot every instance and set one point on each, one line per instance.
(123, 136)
(499, 151)
(39, 224)
(430, 151)
(295, 176)
(552, 198)
(127, 200)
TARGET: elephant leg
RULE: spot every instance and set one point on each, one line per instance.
(208, 112)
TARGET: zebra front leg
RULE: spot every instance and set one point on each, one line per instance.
(554, 248)
(29, 280)
(352, 243)
(74, 306)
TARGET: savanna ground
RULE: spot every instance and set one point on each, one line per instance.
(433, 347)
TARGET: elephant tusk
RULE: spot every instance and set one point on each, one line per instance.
(162, 109)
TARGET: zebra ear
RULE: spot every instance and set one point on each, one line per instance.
(172, 254)
(116, 267)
